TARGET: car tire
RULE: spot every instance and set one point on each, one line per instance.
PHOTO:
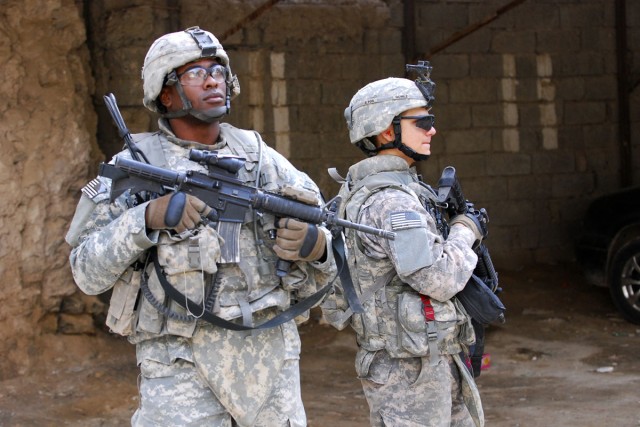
(624, 281)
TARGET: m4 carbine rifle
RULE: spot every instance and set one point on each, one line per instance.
(479, 295)
(229, 198)
(221, 190)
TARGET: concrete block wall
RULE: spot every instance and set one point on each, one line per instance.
(526, 110)
(526, 106)
(298, 64)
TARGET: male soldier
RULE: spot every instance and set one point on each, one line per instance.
(194, 373)
(413, 329)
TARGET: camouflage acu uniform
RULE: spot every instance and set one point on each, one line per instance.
(410, 369)
(194, 373)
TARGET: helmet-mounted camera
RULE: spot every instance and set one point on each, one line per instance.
(425, 84)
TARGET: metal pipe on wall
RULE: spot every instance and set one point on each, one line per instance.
(624, 117)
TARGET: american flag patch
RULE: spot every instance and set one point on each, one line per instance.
(93, 188)
(404, 220)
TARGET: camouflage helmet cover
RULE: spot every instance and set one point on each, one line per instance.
(176, 49)
(373, 107)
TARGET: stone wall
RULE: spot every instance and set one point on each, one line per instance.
(526, 111)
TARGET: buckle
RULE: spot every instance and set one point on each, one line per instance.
(204, 41)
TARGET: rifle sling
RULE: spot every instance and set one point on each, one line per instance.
(188, 304)
(337, 245)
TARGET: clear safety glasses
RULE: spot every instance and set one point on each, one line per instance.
(197, 75)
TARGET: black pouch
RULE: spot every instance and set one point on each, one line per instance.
(481, 303)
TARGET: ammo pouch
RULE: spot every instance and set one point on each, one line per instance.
(451, 329)
(121, 317)
(186, 261)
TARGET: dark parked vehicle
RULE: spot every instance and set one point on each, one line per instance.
(608, 248)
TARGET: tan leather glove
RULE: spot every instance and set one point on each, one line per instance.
(477, 221)
(299, 241)
(175, 211)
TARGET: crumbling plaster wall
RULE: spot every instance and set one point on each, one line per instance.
(47, 128)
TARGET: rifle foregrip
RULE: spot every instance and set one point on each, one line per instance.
(283, 207)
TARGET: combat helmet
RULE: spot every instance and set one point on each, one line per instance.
(174, 50)
(379, 104)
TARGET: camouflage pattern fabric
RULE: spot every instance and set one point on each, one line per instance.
(411, 393)
(107, 238)
(403, 386)
(175, 395)
(267, 393)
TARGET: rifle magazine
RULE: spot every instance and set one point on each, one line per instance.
(230, 249)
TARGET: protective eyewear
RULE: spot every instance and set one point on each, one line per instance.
(425, 122)
(197, 75)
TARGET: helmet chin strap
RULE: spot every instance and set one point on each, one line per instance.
(208, 116)
(397, 143)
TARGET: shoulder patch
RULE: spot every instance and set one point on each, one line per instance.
(404, 219)
(93, 188)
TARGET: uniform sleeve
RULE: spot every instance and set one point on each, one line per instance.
(106, 238)
(422, 258)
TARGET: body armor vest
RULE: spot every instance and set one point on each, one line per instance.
(393, 318)
(191, 261)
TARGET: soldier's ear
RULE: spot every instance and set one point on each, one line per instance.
(388, 135)
(165, 97)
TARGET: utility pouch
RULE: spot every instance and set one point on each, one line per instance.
(187, 264)
(413, 335)
(121, 315)
(466, 331)
(421, 337)
(480, 302)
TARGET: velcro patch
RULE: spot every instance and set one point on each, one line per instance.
(404, 220)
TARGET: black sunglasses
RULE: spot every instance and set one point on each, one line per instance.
(425, 122)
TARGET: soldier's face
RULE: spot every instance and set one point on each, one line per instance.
(413, 136)
(209, 92)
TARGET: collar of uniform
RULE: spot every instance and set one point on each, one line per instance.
(379, 163)
(165, 128)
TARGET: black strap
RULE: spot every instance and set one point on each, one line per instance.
(283, 317)
(337, 245)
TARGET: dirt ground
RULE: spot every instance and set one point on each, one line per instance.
(563, 358)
